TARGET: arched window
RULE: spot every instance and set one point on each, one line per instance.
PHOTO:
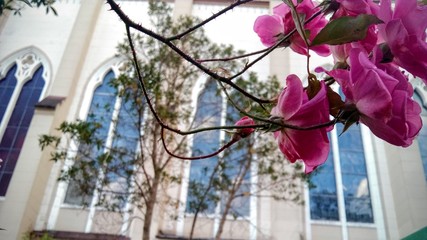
(208, 114)
(212, 111)
(349, 154)
(20, 90)
(119, 132)
(422, 136)
(343, 178)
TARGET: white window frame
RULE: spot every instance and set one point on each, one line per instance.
(115, 65)
(252, 218)
(27, 61)
(374, 191)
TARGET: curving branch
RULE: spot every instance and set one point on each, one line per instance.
(237, 3)
(268, 124)
(227, 145)
(131, 24)
(233, 58)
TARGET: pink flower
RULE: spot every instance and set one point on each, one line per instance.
(341, 52)
(295, 108)
(382, 97)
(271, 28)
(404, 32)
(244, 132)
(354, 8)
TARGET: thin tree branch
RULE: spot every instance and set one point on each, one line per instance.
(282, 124)
(227, 145)
(130, 24)
(233, 58)
(237, 3)
(281, 42)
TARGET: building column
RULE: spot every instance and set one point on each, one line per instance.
(64, 85)
(182, 7)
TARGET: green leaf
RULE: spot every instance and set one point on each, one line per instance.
(345, 29)
(313, 87)
(26, 2)
(336, 104)
(299, 19)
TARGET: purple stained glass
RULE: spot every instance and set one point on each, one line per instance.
(16, 130)
(100, 111)
(7, 86)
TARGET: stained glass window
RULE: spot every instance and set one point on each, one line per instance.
(357, 197)
(19, 122)
(208, 113)
(422, 136)
(209, 105)
(125, 140)
(357, 200)
(323, 195)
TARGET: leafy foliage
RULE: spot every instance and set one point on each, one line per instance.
(17, 5)
(345, 29)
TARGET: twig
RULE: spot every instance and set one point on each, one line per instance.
(284, 39)
(233, 58)
(130, 24)
(282, 124)
(231, 142)
(237, 3)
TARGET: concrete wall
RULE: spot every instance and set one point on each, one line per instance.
(83, 39)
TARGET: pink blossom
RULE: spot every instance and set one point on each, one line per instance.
(404, 32)
(382, 97)
(354, 8)
(295, 108)
(341, 52)
(271, 28)
(244, 132)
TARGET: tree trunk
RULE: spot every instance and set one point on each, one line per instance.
(148, 216)
(231, 196)
(223, 217)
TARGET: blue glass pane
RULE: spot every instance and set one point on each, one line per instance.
(418, 99)
(125, 143)
(17, 127)
(354, 175)
(355, 186)
(351, 139)
(422, 137)
(323, 195)
(101, 112)
(208, 113)
(422, 142)
(235, 165)
(240, 206)
(351, 162)
(324, 183)
(7, 86)
(4, 183)
(359, 210)
(324, 207)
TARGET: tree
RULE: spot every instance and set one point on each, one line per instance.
(366, 57)
(225, 186)
(17, 5)
(134, 166)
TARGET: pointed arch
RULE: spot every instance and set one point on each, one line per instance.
(420, 95)
(24, 78)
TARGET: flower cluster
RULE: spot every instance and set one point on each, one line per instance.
(375, 48)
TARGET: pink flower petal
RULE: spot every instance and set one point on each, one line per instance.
(268, 28)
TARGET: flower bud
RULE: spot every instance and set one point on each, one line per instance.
(244, 132)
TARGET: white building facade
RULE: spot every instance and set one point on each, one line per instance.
(50, 69)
